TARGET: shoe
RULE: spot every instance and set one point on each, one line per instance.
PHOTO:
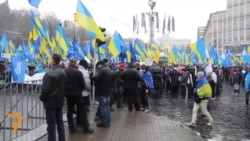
(71, 131)
(120, 106)
(146, 111)
(209, 123)
(190, 124)
(88, 131)
(102, 125)
(142, 109)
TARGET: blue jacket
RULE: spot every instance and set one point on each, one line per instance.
(147, 77)
(247, 82)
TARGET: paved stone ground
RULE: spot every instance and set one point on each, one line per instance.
(137, 126)
(231, 116)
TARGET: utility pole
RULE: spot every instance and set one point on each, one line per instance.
(151, 4)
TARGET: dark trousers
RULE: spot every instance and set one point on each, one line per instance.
(77, 101)
(118, 96)
(247, 98)
(133, 99)
(144, 100)
(54, 118)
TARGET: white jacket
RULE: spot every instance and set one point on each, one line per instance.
(86, 78)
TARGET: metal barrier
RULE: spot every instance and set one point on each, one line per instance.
(19, 100)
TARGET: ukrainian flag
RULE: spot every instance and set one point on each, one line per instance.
(204, 89)
(62, 41)
(115, 45)
(140, 50)
(199, 50)
(38, 25)
(86, 21)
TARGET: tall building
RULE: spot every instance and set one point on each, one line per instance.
(238, 24)
(215, 32)
(200, 32)
(229, 29)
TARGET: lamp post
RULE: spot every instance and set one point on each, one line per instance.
(151, 4)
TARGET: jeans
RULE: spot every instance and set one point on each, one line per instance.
(203, 106)
(55, 117)
(104, 106)
(247, 98)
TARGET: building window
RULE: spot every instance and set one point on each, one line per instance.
(248, 34)
(248, 9)
(248, 21)
(241, 35)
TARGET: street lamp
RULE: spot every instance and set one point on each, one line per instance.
(151, 4)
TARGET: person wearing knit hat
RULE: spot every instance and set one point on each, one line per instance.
(122, 66)
(118, 85)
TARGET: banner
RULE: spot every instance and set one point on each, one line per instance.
(18, 68)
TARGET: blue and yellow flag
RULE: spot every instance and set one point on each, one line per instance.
(38, 25)
(62, 41)
(115, 45)
(86, 21)
(140, 50)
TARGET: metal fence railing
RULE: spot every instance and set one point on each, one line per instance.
(20, 100)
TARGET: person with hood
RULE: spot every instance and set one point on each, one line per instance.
(203, 93)
(147, 85)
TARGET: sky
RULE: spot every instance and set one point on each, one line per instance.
(118, 14)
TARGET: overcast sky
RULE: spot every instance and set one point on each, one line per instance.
(117, 14)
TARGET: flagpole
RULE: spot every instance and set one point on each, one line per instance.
(94, 72)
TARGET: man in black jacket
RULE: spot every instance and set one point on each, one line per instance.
(104, 82)
(130, 78)
(52, 97)
(74, 86)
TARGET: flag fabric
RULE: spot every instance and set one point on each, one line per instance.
(4, 45)
(18, 68)
(38, 25)
(143, 21)
(140, 50)
(173, 24)
(86, 21)
(199, 49)
(214, 55)
(115, 45)
(169, 24)
(164, 25)
(34, 3)
(62, 41)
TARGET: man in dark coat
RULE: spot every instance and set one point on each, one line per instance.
(104, 82)
(52, 97)
(130, 79)
(74, 86)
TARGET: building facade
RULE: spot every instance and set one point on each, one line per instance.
(181, 43)
(215, 31)
(229, 29)
(238, 24)
(200, 32)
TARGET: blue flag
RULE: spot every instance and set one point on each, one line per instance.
(34, 3)
(18, 68)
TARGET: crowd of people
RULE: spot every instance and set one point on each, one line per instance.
(127, 85)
